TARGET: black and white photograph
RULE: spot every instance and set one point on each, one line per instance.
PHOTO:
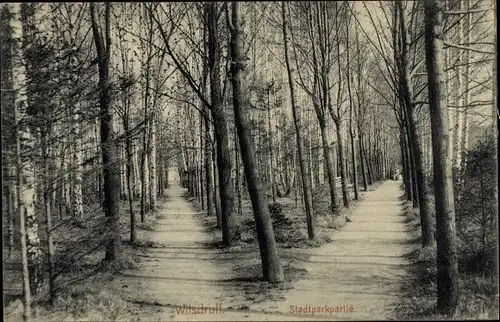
(249, 161)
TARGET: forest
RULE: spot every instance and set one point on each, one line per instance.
(272, 127)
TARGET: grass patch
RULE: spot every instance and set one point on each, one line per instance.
(82, 303)
(79, 269)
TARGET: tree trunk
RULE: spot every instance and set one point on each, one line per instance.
(362, 160)
(238, 173)
(270, 147)
(152, 164)
(111, 169)
(351, 127)
(208, 167)
(406, 165)
(306, 184)
(218, 211)
(342, 159)
(423, 197)
(220, 128)
(48, 211)
(77, 159)
(137, 173)
(24, 177)
(447, 266)
(271, 266)
(330, 169)
(129, 157)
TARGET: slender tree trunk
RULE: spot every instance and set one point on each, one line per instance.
(362, 160)
(271, 266)
(334, 206)
(306, 185)
(208, 167)
(238, 173)
(152, 164)
(457, 127)
(351, 127)
(24, 179)
(343, 170)
(423, 196)
(202, 158)
(111, 169)
(447, 266)
(218, 210)
(78, 159)
(129, 171)
(25, 194)
(270, 147)
(406, 165)
(48, 212)
(220, 128)
(137, 172)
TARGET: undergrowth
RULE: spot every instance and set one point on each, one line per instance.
(477, 287)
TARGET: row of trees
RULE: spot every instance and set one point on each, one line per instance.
(100, 100)
(451, 43)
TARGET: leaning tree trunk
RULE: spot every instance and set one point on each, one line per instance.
(111, 168)
(447, 266)
(271, 265)
(306, 184)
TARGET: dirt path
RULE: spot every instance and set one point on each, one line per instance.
(361, 268)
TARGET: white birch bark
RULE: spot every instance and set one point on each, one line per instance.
(152, 165)
(77, 199)
(137, 172)
(30, 242)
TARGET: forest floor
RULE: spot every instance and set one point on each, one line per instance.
(357, 276)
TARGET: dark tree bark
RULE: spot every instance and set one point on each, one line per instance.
(217, 201)
(306, 183)
(129, 153)
(362, 160)
(343, 170)
(351, 127)
(220, 127)
(423, 195)
(447, 266)
(208, 168)
(271, 265)
(406, 165)
(238, 173)
(111, 168)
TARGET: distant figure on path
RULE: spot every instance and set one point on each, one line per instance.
(397, 175)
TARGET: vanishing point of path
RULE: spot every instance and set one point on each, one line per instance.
(363, 267)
